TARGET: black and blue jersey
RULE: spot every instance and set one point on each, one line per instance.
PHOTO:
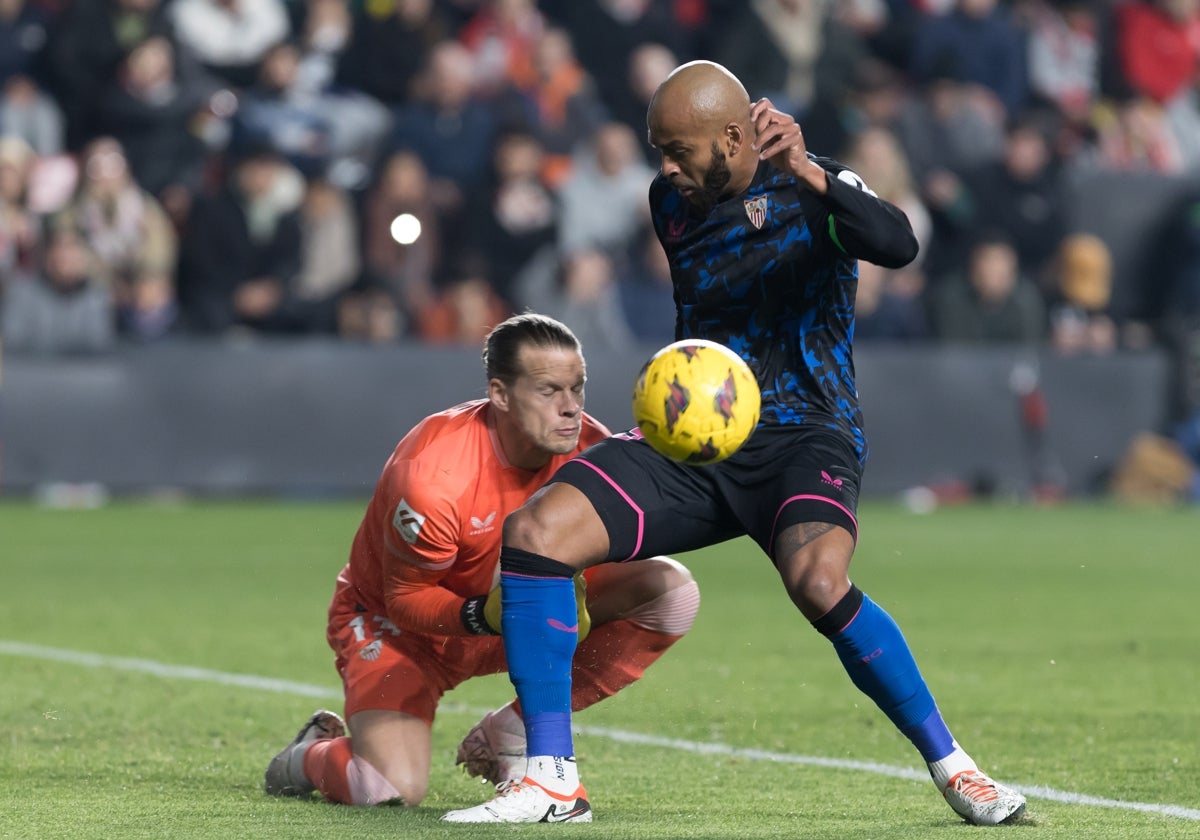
(772, 273)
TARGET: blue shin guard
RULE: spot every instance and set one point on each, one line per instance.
(540, 627)
(879, 662)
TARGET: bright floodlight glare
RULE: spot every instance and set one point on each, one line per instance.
(406, 228)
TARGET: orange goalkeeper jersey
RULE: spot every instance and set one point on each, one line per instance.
(431, 533)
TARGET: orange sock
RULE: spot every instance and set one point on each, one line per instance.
(614, 655)
(325, 764)
(346, 778)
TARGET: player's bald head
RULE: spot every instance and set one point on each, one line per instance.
(699, 119)
(700, 95)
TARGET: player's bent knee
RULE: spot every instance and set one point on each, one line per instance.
(817, 574)
(671, 573)
(673, 610)
(558, 522)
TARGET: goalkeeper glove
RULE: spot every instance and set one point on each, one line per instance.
(481, 614)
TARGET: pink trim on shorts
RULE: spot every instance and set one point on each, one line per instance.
(641, 515)
(810, 497)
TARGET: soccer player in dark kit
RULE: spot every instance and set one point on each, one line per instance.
(763, 240)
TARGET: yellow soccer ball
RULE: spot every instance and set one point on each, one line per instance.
(696, 401)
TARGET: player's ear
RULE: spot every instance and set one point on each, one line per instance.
(734, 138)
(498, 394)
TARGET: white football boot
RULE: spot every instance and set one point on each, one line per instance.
(981, 801)
(526, 802)
(494, 749)
(285, 774)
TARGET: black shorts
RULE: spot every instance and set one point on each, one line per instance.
(652, 505)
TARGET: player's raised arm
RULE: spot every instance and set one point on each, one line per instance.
(861, 224)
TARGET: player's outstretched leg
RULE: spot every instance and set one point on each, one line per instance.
(285, 774)
(880, 663)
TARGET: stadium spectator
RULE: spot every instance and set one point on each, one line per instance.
(464, 308)
(992, 302)
(24, 34)
(61, 308)
(450, 128)
(648, 65)
(568, 110)
(950, 126)
(885, 27)
(389, 46)
(951, 129)
(230, 38)
(273, 111)
(1158, 46)
(1131, 135)
(590, 300)
(153, 109)
(1023, 194)
(644, 286)
(1079, 318)
(1064, 55)
(323, 35)
(746, 275)
(132, 241)
(31, 113)
(503, 36)
(581, 289)
(330, 252)
(873, 96)
(241, 251)
(20, 225)
(368, 314)
(1183, 122)
(412, 616)
(875, 154)
(26, 109)
(86, 48)
(607, 32)
(404, 268)
(980, 41)
(514, 216)
(604, 199)
(890, 305)
(788, 50)
(359, 123)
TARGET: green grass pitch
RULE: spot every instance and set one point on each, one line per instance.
(1062, 646)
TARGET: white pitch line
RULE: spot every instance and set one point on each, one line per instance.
(186, 672)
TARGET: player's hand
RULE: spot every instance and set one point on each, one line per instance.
(474, 614)
(492, 609)
(778, 138)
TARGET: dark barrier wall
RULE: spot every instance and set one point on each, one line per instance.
(315, 417)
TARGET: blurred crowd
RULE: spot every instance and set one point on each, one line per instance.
(414, 170)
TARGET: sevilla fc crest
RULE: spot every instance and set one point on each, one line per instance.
(756, 210)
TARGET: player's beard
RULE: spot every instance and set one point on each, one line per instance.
(716, 179)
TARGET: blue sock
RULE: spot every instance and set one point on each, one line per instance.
(539, 621)
(879, 662)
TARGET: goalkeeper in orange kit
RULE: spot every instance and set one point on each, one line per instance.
(416, 611)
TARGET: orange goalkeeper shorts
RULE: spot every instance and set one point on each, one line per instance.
(384, 668)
